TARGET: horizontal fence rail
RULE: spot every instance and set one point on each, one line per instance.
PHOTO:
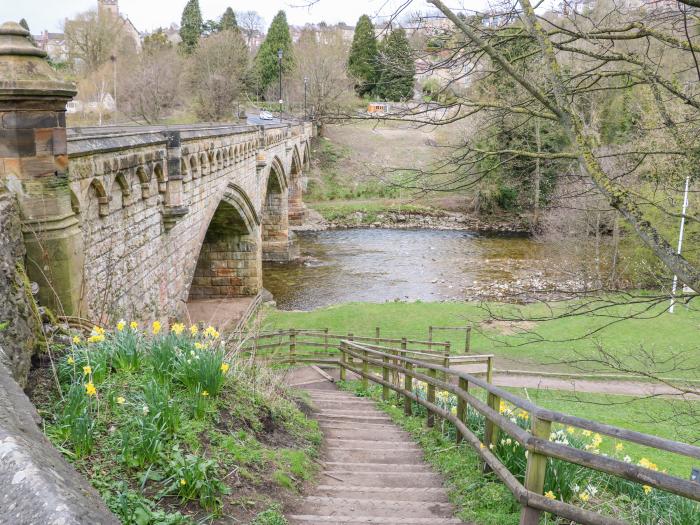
(396, 369)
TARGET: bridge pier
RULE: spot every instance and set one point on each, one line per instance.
(33, 165)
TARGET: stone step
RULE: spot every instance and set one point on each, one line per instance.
(437, 495)
(351, 421)
(378, 444)
(382, 479)
(300, 519)
(347, 506)
(355, 412)
(374, 433)
(372, 467)
(367, 455)
(358, 417)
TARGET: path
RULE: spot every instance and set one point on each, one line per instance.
(373, 472)
(621, 387)
(222, 313)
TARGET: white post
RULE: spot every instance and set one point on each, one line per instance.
(680, 241)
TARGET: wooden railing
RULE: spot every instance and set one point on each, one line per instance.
(376, 364)
(320, 346)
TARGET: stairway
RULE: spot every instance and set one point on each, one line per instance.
(373, 471)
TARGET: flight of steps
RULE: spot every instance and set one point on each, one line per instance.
(374, 472)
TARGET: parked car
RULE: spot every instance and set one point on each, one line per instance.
(266, 115)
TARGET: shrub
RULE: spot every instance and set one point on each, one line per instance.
(202, 370)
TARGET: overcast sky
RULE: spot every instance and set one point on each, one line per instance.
(150, 14)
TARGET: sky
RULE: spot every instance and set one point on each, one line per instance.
(151, 14)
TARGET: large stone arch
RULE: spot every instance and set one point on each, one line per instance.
(275, 215)
(229, 262)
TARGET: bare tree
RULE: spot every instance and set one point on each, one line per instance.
(321, 74)
(216, 75)
(251, 24)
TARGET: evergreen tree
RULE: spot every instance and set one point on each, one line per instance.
(191, 26)
(397, 68)
(228, 21)
(278, 37)
(362, 63)
(25, 25)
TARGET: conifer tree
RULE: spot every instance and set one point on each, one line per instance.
(278, 37)
(362, 62)
(397, 67)
(191, 26)
(228, 21)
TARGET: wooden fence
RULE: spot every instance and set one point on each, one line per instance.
(377, 364)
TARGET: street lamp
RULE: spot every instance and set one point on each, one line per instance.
(306, 81)
(279, 60)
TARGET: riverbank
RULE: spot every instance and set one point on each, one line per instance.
(392, 214)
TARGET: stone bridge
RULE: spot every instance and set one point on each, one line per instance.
(135, 221)
(160, 216)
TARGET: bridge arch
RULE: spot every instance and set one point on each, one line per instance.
(229, 262)
(275, 214)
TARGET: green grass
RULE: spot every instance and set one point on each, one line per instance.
(344, 211)
(647, 415)
(545, 345)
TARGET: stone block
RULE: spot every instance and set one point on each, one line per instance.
(17, 143)
(30, 119)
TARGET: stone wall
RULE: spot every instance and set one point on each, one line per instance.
(19, 323)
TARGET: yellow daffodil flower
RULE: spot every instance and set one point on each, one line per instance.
(133, 325)
(647, 489)
(121, 325)
(224, 367)
(155, 327)
(121, 400)
(205, 393)
(177, 328)
(183, 482)
(584, 496)
(87, 370)
(90, 389)
(194, 330)
(619, 447)
(549, 495)
(76, 340)
(70, 360)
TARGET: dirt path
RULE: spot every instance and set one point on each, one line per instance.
(373, 472)
(616, 387)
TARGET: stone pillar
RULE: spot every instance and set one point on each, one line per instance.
(275, 226)
(297, 210)
(34, 164)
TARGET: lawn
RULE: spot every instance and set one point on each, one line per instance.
(650, 340)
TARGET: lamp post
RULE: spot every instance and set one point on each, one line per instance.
(279, 61)
(306, 81)
(680, 241)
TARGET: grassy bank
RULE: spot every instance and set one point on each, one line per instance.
(172, 429)
(640, 336)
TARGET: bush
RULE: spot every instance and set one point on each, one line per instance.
(195, 478)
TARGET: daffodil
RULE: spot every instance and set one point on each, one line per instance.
(584, 496)
(145, 410)
(177, 328)
(647, 489)
(155, 327)
(211, 332)
(87, 370)
(90, 389)
(70, 360)
(199, 346)
(224, 367)
(205, 393)
(133, 325)
(183, 482)
(570, 430)
(121, 400)
(194, 330)
(549, 495)
(587, 433)
(97, 338)
(97, 330)
(619, 447)
(121, 325)
(76, 340)
(644, 462)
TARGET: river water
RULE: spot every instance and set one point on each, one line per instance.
(378, 265)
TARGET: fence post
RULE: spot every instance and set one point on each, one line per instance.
(407, 381)
(491, 431)
(377, 331)
(292, 346)
(343, 358)
(536, 468)
(468, 339)
(385, 377)
(325, 340)
(430, 338)
(365, 370)
(351, 358)
(446, 361)
(489, 369)
(431, 398)
(462, 406)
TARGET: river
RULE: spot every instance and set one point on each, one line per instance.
(378, 265)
